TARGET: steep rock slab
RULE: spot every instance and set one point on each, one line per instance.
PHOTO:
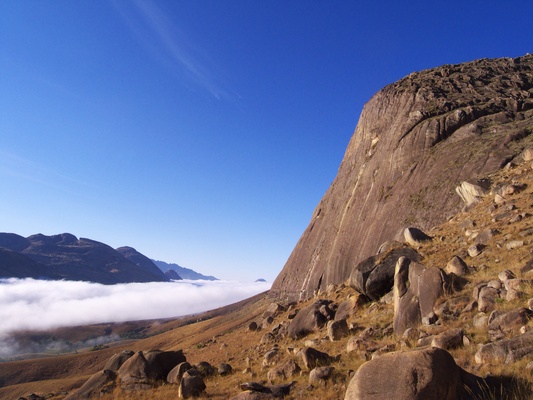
(427, 374)
(416, 289)
(416, 140)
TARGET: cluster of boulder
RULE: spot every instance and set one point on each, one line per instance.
(427, 312)
(144, 370)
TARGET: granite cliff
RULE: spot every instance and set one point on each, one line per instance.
(415, 142)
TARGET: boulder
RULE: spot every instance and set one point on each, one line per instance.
(374, 277)
(449, 339)
(312, 358)
(205, 369)
(254, 390)
(160, 363)
(527, 154)
(273, 310)
(224, 369)
(337, 329)
(487, 299)
(176, 373)
(416, 289)
(320, 375)
(117, 359)
(456, 266)
(253, 395)
(415, 236)
(310, 319)
(419, 374)
(349, 307)
(97, 385)
(472, 192)
(507, 350)
(135, 372)
(284, 371)
(501, 323)
(191, 386)
(271, 357)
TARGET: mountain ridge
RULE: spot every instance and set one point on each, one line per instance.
(64, 256)
(184, 273)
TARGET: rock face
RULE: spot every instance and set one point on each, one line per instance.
(65, 256)
(416, 141)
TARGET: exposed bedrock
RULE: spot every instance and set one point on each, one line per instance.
(416, 141)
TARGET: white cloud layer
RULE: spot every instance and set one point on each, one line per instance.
(29, 304)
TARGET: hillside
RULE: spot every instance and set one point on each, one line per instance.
(415, 271)
(229, 335)
(416, 140)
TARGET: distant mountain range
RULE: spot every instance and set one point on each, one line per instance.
(184, 273)
(64, 256)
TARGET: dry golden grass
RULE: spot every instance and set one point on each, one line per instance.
(223, 336)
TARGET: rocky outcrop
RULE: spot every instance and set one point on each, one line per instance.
(416, 141)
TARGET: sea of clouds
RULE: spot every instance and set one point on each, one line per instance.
(30, 304)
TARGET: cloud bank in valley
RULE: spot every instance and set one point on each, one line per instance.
(29, 304)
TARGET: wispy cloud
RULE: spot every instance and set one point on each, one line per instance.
(161, 34)
(13, 165)
(29, 304)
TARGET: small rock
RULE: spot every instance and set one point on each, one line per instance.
(474, 250)
(514, 244)
(506, 275)
(456, 266)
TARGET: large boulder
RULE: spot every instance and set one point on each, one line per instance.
(135, 372)
(176, 373)
(420, 374)
(374, 277)
(310, 319)
(97, 385)
(409, 134)
(191, 386)
(416, 289)
(160, 363)
(117, 359)
(507, 350)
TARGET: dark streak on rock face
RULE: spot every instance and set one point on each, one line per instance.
(417, 139)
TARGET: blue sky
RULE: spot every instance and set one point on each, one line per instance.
(205, 132)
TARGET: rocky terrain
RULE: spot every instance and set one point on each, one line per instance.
(416, 140)
(65, 256)
(413, 280)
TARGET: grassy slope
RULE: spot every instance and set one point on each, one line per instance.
(222, 335)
